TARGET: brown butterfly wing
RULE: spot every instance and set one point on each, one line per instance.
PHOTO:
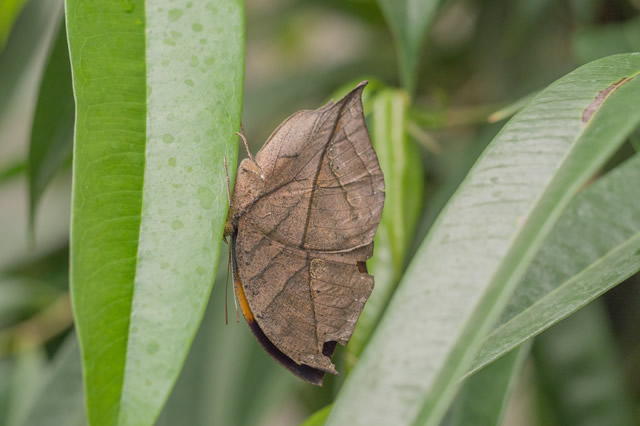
(302, 244)
(323, 186)
(310, 374)
(302, 300)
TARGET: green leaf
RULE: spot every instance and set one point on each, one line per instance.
(22, 297)
(401, 166)
(579, 367)
(592, 248)
(52, 129)
(7, 365)
(9, 11)
(60, 399)
(158, 99)
(319, 417)
(484, 397)
(34, 31)
(409, 21)
(50, 267)
(511, 109)
(12, 171)
(483, 241)
(25, 383)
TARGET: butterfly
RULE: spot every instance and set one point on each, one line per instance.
(302, 218)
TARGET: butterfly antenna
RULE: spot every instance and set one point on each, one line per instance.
(246, 144)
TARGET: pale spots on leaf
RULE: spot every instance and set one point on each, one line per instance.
(175, 14)
(206, 197)
(153, 347)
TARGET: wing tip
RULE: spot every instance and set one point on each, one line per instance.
(358, 89)
(363, 83)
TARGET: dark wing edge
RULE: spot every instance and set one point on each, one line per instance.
(306, 373)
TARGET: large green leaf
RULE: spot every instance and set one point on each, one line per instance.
(592, 248)
(580, 370)
(52, 129)
(483, 241)
(409, 21)
(401, 165)
(158, 99)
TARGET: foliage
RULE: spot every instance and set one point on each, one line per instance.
(506, 260)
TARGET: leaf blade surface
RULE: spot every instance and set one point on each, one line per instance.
(158, 96)
(480, 246)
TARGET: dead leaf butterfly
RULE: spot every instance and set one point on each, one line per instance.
(302, 219)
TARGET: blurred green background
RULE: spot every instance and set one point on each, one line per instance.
(480, 59)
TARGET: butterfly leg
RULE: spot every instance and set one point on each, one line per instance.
(226, 172)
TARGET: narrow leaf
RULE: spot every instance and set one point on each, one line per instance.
(319, 417)
(484, 397)
(7, 365)
(401, 166)
(409, 21)
(511, 109)
(25, 384)
(52, 129)
(33, 32)
(22, 297)
(9, 11)
(480, 246)
(609, 271)
(60, 399)
(591, 249)
(579, 367)
(11, 172)
(158, 98)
